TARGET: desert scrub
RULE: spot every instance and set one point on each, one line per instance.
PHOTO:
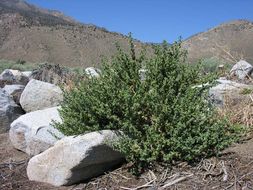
(164, 117)
(18, 65)
(211, 65)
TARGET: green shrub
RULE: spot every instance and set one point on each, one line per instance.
(164, 118)
(20, 62)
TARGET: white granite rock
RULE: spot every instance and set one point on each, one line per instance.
(39, 95)
(74, 159)
(33, 133)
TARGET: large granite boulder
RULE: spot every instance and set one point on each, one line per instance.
(9, 111)
(10, 76)
(39, 95)
(241, 70)
(75, 158)
(33, 133)
(14, 91)
(229, 91)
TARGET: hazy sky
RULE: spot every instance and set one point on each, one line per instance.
(153, 20)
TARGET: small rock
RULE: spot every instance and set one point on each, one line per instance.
(241, 70)
(39, 95)
(74, 159)
(92, 72)
(9, 111)
(28, 74)
(14, 91)
(10, 76)
(221, 66)
(223, 78)
(33, 133)
(142, 74)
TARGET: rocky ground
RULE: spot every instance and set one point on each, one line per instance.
(232, 170)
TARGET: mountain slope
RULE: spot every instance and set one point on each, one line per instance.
(33, 14)
(230, 41)
(38, 35)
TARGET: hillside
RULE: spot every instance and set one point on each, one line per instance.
(38, 35)
(232, 40)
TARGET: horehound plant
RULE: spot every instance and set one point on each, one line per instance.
(163, 118)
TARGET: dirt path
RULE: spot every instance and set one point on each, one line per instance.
(232, 170)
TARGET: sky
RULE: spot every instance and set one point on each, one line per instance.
(153, 20)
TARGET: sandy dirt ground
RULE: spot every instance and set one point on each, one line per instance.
(233, 169)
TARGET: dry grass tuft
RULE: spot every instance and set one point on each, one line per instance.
(239, 111)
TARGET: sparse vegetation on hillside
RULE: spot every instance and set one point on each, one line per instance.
(16, 65)
(164, 117)
(55, 38)
(230, 41)
(215, 65)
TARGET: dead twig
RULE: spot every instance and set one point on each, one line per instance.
(170, 183)
(164, 176)
(12, 164)
(149, 184)
(124, 177)
(225, 177)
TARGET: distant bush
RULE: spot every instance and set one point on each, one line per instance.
(164, 117)
(211, 65)
(20, 62)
